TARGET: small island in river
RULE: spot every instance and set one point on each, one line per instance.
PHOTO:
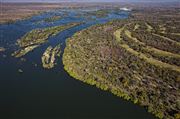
(36, 37)
(49, 56)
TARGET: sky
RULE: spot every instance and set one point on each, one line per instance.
(89, 0)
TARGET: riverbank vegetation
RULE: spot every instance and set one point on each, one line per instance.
(134, 59)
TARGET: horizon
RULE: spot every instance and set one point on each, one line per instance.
(89, 1)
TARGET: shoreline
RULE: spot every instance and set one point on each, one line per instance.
(12, 12)
(120, 65)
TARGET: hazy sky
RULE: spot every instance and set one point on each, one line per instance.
(89, 0)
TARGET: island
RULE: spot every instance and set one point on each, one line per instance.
(100, 13)
(49, 19)
(37, 37)
(52, 19)
(49, 56)
(2, 49)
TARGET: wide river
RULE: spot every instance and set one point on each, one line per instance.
(38, 93)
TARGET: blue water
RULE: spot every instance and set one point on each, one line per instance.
(48, 94)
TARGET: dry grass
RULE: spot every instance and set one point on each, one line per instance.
(151, 49)
(143, 56)
(11, 12)
(166, 38)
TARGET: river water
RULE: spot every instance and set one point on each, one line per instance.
(38, 93)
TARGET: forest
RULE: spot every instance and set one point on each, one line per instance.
(136, 59)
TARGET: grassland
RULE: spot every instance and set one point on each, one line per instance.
(135, 59)
(11, 12)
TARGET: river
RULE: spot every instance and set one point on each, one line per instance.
(39, 93)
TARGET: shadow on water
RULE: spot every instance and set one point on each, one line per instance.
(39, 93)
